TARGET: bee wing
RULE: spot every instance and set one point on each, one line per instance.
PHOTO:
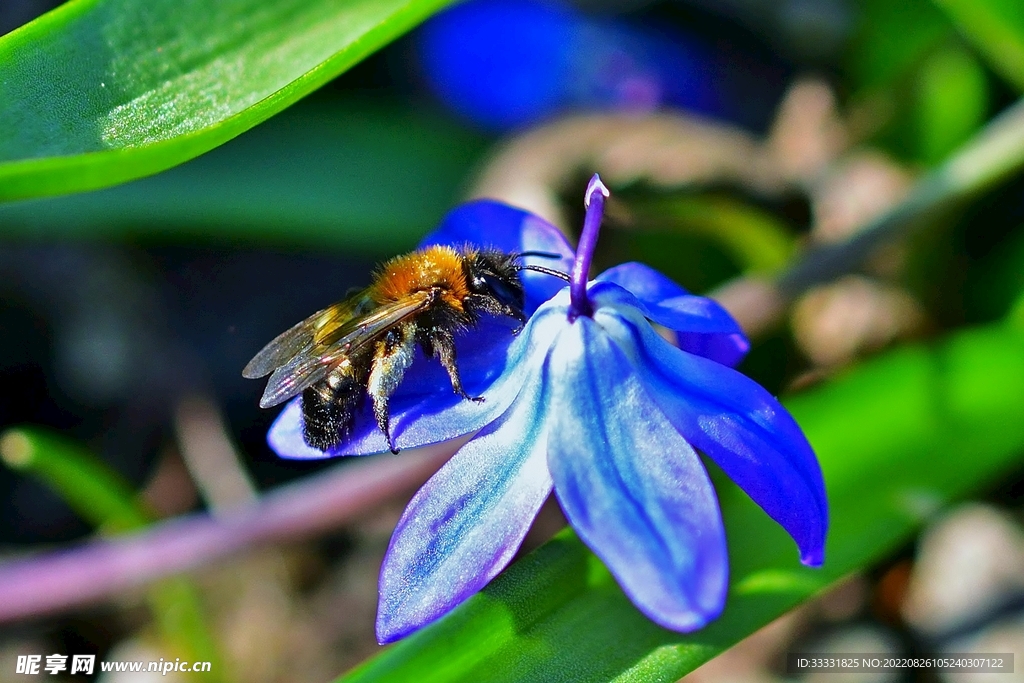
(313, 364)
(301, 337)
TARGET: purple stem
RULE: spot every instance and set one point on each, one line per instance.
(55, 581)
(593, 200)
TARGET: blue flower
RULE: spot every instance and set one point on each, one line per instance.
(512, 63)
(591, 402)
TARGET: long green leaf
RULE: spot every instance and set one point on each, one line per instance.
(97, 92)
(897, 438)
(359, 175)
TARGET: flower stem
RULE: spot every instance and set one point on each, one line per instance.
(593, 200)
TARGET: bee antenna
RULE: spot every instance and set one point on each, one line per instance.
(540, 254)
(547, 271)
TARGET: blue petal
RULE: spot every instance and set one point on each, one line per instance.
(727, 349)
(701, 324)
(487, 223)
(631, 487)
(645, 283)
(736, 422)
(424, 410)
(467, 522)
(285, 435)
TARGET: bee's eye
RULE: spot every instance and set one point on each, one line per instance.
(505, 292)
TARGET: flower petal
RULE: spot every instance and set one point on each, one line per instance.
(736, 422)
(424, 410)
(726, 349)
(285, 435)
(467, 522)
(645, 283)
(632, 488)
(487, 223)
(701, 324)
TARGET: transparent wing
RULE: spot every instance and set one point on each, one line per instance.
(312, 365)
(302, 336)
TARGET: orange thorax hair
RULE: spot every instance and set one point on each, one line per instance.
(420, 271)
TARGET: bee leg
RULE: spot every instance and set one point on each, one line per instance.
(392, 357)
(383, 414)
(486, 304)
(518, 315)
(441, 344)
(520, 319)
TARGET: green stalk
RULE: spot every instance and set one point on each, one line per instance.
(95, 492)
(989, 158)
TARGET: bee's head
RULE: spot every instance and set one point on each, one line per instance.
(495, 274)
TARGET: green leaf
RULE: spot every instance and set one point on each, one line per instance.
(97, 92)
(898, 437)
(996, 27)
(951, 102)
(367, 176)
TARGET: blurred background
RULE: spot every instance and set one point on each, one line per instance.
(735, 134)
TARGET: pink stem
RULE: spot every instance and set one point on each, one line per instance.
(55, 581)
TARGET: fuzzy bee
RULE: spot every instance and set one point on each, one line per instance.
(362, 346)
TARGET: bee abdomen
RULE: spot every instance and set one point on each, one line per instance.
(329, 410)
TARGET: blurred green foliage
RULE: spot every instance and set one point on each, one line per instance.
(98, 494)
(996, 29)
(755, 239)
(917, 67)
(104, 499)
(951, 102)
(890, 41)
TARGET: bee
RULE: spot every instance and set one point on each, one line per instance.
(361, 347)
